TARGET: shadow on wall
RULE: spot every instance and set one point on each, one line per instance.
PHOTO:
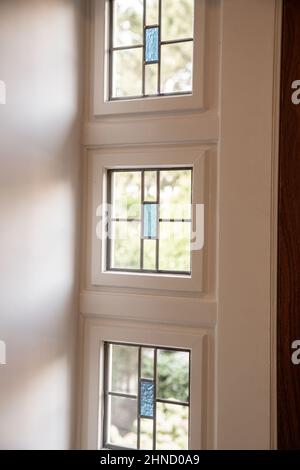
(39, 234)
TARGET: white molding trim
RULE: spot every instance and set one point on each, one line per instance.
(200, 127)
(181, 311)
(101, 105)
(243, 332)
(102, 159)
(97, 332)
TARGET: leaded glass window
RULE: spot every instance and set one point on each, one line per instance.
(147, 397)
(151, 48)
(150, 220)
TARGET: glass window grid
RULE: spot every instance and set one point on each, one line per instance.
(143, 46)
(159, 220)
(107, 392)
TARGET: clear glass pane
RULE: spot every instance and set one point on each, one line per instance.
(177, 67)
(177, 19)
(126, 195)
(125, 245)
(124, 369)
(147, 398)
(149, 254)
(128, 22)
(127, 73)
(150, 184)
(151, 46)
(122, 423)
(147, 371)
(174, 246)
(172, 427)
(151, 12)
(146, 442)
(173, 371)
(151, 79)
(175, 194)
(150, 220)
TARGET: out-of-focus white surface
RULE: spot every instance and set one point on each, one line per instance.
(2, 92)
(2, 353)
(39, 205)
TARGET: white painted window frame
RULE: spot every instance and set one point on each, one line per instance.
(101, 104)
(97, 332)
(170, 156)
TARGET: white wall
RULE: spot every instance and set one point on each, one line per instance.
(39, 223)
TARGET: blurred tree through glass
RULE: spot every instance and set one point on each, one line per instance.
(176, 39)
(172, 385)
(150, 228)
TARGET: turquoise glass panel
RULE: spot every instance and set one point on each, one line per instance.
(151, 46)
(147, 398)
(150, 220)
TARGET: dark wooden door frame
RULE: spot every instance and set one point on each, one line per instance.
(288, 281)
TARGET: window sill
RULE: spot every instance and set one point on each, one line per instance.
(149, 274)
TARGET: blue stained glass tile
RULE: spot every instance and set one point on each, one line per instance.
(150, 220)
(151, 49)
(147, 399)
